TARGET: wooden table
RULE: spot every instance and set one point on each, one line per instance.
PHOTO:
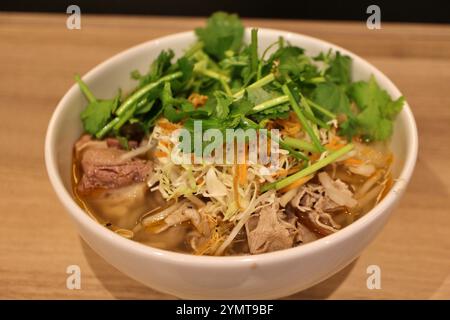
(38, 57)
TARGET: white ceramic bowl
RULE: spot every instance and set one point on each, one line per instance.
(270, 275)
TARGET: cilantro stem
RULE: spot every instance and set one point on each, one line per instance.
(296, 154)
(133, 98)
(194, 49)
(303, 119)
(281, 42)
(277, 185)
(260, 66)
(300, 144)
(316, 80)
(226, 87)
(125, 117)
(85, 89)
(211, 74)
(321, 109)
(203, 58)
(270, 103)
(254, 50)
(260, 83)
(310, 116)
(107, 128)
(282, 99)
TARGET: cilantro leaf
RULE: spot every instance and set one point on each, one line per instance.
(97, 113)
(289, 63)
(223, 32)
(372, 125)
(332, 97)
(223, 102)
(241, 107)
(339, 70)
(377, 109)
(172, 113)
(279, 112)
(158, 67)
(258, 95)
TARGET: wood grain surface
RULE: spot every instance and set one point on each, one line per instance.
(38, 57)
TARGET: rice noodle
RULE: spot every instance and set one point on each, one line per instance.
(365, 170)
(163, 214)
(337, 190)
(369, 196)
(380, 194)
(368, 184)
(288, 196)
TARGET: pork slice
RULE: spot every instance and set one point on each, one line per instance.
(103, 168)
(337, 191)
(312, 205)
(268, 233)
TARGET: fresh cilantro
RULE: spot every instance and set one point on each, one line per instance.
(223, 102)
(278, 112)
(158, 67)
(96, 114)
(339, 68)
(240, 84)
(332, 97)
(258, 95)
(377, 109)
(223, 32)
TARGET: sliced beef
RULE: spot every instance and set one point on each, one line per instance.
(103, 168)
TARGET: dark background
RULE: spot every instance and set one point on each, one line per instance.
(432, 11)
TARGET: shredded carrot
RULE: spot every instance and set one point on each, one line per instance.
(297, 183)
(353, 162)
(169, 126)
(160, 154)
(315, 156)
(242, 169)
(290, 126)
(280, 173)
(270, 124)
(390, 159)
(293, 170)
(284, 172)
(291, 131)
(335, 144)
(236, 185)
(165, 143)
(236, 177)
(387, 187)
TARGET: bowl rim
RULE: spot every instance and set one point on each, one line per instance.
(114, 239)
